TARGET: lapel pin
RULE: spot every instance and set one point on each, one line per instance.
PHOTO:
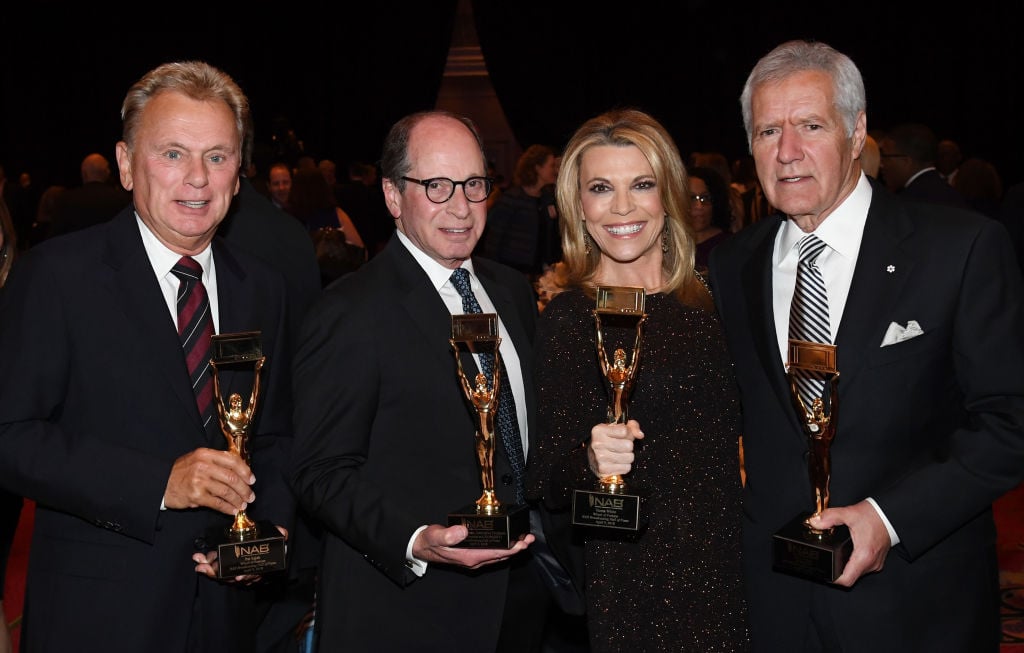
(890, 269)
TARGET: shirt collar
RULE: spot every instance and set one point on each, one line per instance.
(842, 229)
(163, 259)
(918, 174)
(439, 274)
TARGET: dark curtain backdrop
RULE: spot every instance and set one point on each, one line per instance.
(341, 75)
(556, 64)
(340, 81)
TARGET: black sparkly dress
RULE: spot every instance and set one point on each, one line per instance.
(677, 585)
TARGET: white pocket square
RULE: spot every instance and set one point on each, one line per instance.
(896, 333)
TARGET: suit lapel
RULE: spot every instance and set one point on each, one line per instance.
(875, 286)
(513, 322)
(757, 290)
(427, 311)
(236, 312)
(140, 302)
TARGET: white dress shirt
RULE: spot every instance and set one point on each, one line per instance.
(162, 260)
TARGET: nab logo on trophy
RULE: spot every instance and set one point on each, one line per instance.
(611, 505)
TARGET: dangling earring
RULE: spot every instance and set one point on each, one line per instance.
(665, 236)
(588, 245)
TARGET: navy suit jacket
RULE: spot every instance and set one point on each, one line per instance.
(932, 427)
(95, 407)
(385, 444)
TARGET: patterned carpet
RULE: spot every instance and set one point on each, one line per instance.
(1009, 512)
(14, 588)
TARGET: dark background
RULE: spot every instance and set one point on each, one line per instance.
(340, 74)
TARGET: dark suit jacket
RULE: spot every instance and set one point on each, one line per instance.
(385, 444)
(95, 406)
(91, 203)
(932, 428)
(929, 186)
(257, 226)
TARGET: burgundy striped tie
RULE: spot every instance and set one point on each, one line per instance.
(195, 328)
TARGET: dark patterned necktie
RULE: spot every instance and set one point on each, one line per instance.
(508, 424)
(808, 317)
(195, 328)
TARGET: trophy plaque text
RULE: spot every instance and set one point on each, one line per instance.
(491, 524)
(798, 548)
(245, 547)
(611, 505)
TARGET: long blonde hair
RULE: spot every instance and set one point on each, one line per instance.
(9, 248)
(621, 128)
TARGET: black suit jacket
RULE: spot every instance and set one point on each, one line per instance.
(929, 186)
(257, 226)
(932, 427)
(95, 406)
(385, 444)
(91, 203)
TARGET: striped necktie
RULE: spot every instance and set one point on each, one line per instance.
(195, 328)
(808, 317)
(508, 424)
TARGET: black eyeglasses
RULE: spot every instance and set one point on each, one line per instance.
(440, 189)
(701, 199)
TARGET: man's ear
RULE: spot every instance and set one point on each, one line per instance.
(124, 164)
(860, 133)
(392, 198)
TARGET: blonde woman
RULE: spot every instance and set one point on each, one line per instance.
(623, 203)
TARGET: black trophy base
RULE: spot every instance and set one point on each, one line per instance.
(800, 551)
(600, 509)
(499, 530)
(260, 553)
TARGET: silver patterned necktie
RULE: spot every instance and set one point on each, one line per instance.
(508, 423)
(808, 316)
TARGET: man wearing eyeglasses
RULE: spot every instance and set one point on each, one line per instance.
(907, 154)
(384, 438)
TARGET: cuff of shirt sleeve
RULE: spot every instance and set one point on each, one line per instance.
(894, 539)
(415, 565)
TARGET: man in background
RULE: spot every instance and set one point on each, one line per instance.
(96, 200)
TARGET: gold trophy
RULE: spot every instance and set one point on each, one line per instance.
(611, 505)
(491, 524)
(799, 548)
(245, 547)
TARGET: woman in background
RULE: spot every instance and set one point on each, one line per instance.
(10, 504)
(311, 200)
(710, 216)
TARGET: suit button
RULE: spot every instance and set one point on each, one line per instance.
(506, 480)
